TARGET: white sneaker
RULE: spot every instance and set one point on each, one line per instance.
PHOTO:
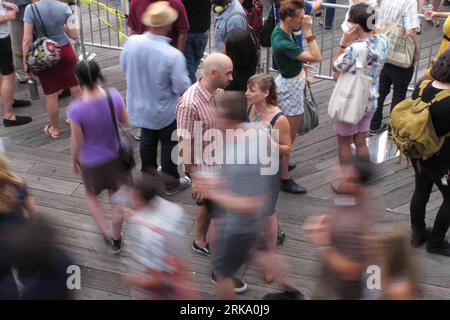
(22, 77)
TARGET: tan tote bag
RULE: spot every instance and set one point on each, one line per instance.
(350, 98)
(401, 45)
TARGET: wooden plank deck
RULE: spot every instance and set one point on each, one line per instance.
(45, 165)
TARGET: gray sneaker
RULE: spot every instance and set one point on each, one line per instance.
(22, 77)
(182, 184)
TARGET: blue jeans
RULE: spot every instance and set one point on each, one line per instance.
(329, 14)
(195, 47)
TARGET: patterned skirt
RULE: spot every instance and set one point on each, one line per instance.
(291, 94)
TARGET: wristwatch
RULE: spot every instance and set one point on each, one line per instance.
(310, 38)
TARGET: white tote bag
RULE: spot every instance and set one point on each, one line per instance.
(350, 98)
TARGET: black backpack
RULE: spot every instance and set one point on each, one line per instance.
(267, 29)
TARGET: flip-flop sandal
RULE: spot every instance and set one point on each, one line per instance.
(47, 132)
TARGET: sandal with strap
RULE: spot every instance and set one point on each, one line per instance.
(47, 132)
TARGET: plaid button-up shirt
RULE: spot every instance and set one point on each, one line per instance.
(196, 113)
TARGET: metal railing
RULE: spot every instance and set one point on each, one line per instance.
(104, 25)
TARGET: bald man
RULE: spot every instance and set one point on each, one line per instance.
(197, 107)
(196, 113)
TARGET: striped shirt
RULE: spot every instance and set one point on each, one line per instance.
(196, 113)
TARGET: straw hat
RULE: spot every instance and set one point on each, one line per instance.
(159, 14)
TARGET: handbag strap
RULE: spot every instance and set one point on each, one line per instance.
(33, 8)
(308, 88)
(402, 12)
(361, 56)
(113, 115)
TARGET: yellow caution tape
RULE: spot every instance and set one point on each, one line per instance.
(117, 13)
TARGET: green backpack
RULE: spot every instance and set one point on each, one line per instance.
(412, 128)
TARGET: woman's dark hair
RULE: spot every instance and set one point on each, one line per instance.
(440, 70)
(241, 50)
(234, 105)
(288, 8)
(146, 189)
(363, 15)
(88, 74)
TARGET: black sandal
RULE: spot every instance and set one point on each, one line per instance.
(281, 236)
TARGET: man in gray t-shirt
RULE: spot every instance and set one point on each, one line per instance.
(238, 196)
(8, 12)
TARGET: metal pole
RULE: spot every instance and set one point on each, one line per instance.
(82, 47)
(117, 27)
(99, 25)
(90, 23)
(109, 29)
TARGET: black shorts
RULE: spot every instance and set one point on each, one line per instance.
(6, 57)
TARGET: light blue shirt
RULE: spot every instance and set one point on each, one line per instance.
(157, 76)
(232, 18)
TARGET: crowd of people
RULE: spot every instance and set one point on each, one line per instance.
(188, 104)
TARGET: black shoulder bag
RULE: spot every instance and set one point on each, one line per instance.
(125, 150)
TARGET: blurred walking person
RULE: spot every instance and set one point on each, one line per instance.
(16, 205)
(239, 195)
(95, 147)
(344, 233)
(158, 271)
(42, 267)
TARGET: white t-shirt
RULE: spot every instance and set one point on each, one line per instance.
(155, 235)
(4, 32)
(390, 11)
